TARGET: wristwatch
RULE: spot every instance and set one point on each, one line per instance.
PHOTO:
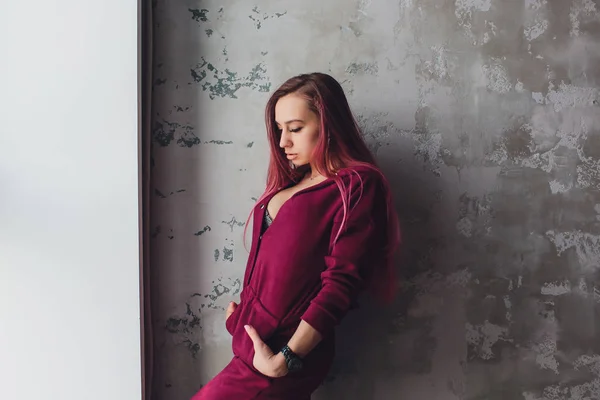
(294, 363)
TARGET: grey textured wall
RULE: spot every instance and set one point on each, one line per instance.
(485, 116)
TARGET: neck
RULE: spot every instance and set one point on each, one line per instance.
(311, 174)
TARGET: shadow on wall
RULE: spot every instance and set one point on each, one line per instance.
(379, 345)
(177, 220)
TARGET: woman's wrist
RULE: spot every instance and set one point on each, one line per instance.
(280, 365)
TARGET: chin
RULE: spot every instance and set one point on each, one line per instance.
(300, 164)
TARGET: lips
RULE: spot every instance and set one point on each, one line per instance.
(291, 156)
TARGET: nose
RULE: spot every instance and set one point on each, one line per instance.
(285, 140)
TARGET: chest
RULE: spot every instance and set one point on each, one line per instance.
(278, 200)
(292, 247)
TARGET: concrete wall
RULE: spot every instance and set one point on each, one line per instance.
(69, 242)
(484, 114)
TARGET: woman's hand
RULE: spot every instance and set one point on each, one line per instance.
(267, 363)
(230, 309)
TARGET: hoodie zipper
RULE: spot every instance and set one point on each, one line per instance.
(255, 255)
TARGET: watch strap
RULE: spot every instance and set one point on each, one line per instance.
(294, 363)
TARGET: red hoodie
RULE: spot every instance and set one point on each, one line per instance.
(294, 270)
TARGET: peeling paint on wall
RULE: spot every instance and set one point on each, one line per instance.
(186, 326)
(226, 83)
(233, 222)
(203, 231)
(165, 132)
(363, 68)
(199, 15)
(257, 17)
(586, 245)
(483, 337)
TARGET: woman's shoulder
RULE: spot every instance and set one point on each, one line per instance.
(361, 175)
(365, 184)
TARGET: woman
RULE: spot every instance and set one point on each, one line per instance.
(323, 231)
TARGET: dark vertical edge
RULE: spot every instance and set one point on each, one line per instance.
(145, 65)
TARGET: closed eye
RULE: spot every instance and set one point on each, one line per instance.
(296, 130)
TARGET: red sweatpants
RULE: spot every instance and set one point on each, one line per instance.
(238, 381)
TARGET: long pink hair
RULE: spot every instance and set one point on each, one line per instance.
(339, 145)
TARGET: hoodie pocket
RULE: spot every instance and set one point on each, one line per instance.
(250, 311)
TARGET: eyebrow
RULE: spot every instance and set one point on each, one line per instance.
(290, 121)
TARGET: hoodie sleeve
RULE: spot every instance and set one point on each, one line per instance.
(350, 258)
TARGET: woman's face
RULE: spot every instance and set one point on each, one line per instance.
(299, 128)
